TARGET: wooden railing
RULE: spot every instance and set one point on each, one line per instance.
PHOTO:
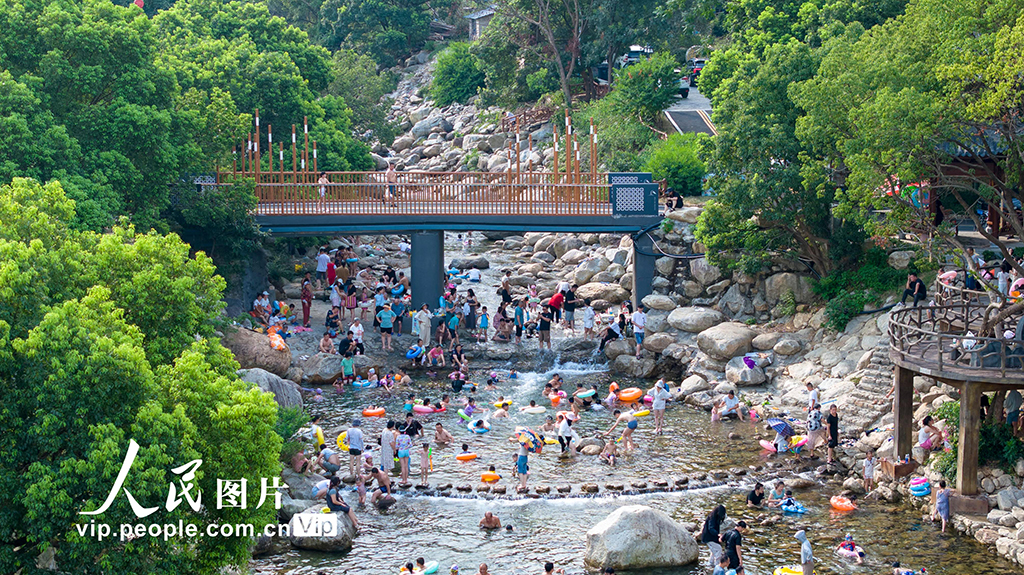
(430, 193)
(526, 119)
(940, 341)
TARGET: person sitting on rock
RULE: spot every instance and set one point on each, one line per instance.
(729, 407)
(336, 503)
(609, 453)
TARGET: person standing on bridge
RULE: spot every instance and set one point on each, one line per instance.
(391, 177)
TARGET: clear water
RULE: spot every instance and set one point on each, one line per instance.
(445, 529)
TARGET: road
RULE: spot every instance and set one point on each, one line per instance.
(696, 101)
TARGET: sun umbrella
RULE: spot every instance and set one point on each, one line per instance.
(781, 427)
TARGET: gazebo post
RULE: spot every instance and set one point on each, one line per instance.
(903, 411)
(967, 450)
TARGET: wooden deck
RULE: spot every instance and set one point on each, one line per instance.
(941, 342)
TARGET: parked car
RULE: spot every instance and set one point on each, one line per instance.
(693, 69)
(684, 85)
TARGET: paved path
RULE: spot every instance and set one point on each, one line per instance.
(696, 101)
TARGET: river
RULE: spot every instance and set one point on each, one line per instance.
(445, 528)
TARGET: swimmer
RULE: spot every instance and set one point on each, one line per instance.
(513, 374)
(409, 403)
(491, 469)
(441, 435)
(850, 547)
(789, 500)
(483, 570)
(549, 569)
(480, 424)
(490, 385)
(383, 491)
(501, 411)
(609, 452)
(465, 449)
(777, 494)
(444, 401)
(549, 425)
(532, 405)
(425, 464)
(490, 521)
(556, 381)
(627, 434)
(361, 488)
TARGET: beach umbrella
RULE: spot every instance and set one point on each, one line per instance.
(527, 437)
(780, 426)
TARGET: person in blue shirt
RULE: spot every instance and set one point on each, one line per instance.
(398, 306)
(453, 329)
(386, 318)
(379, 299)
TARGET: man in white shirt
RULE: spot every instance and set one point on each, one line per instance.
(322, 259)
(356, 329)
(639, 321)
(474, 275)
(261, 305)
(812, 396)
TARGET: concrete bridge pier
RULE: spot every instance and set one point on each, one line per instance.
(427, 269)
(643, 267)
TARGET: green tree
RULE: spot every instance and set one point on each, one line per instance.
(677, 161)
(645, 89)
(357, 81)
(91, 358)
(456, 75)
(389, 30)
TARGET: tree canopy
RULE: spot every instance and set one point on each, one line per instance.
(101, 343)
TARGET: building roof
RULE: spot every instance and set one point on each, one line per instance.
(481, 13)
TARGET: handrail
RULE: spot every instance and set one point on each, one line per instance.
(943, 337)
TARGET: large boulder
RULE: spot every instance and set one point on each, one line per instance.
(695, 319)
(657, 342)
(253, 349)
(661, 302)
(726, 340)
(324, 368)
(637, 537)
(685, 215)
(613, 293)
(737, 372)
(300, 485)
(286, 393)
(901, 259)
(564, 244)
(337, 541)
(777, 285)
(478, 262)
(616, 348)
(426, 125)
(704, 272)
(628, 364)
(589, 268)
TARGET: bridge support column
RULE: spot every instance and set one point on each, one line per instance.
(903, 411)
(967, 450)
(643, 267)
(426, 268)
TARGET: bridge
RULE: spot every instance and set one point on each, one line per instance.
(298, 199)
(957, 343)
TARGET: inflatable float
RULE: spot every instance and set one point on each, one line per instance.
(362, 383)
(850, 553)
(534, 409)
(343, 441)
(489, 477)
(462, 414)
(414, 352)
(631, 394)
(423, 409)
(920, 487)
(466, 456)
(768, 445)
(499, 404)
(472, 426)
(587, 393)
(793, 508)
(841, 503)
(379, 412)
(429, 568)
(642, 413)
(789, 570)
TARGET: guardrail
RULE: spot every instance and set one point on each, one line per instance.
(940, 341)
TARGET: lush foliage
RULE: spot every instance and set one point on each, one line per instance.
(677, 160)
(357, 81)
(997, 444)
(647, 88)
(620, 140)
(99, 346)
(847, 292)
(456, 75)
(388, 30)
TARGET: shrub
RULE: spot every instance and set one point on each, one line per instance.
(457, 75)
(620, 140)
(843, 308)
(676, 161)
(787, 303)
(996, 443)
(848, 291)
(647, 88)
(541, 82)
(289, 420)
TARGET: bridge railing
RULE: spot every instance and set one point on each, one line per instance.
(433, 193)
(942, 339)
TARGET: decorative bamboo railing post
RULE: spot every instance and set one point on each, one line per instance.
(256, 149)
(295, 168)
(270, 151)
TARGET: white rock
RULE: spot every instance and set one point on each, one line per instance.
(695, 319)
(704, 272)
(777, 285)
(638, 537)
(338, 542)
(685, 215)
(665, 265)
(788, 346)
(658, 342)
(737, 372)
(766, 341)
(901, 259)
(661, 302)
(725, 340)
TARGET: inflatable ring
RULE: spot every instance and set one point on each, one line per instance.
(505, 403)
(429, 568)
(489, 477)
(768, 445)
(462, 414)
(587, 393)
(648, 399)
(534, 409)
(789, 570)
(413, 353)
(549, 441)
(797, 508)
(342, 441)
(921, 492)
(642, 413)
(379, 412)
(351, 260)
(850, 554)
(472, 426)
(841, 503)
(466, 456)
(556, 398)
(630, 395)
(423, 409)
(320, 437)
(918, 481)
(362, 383)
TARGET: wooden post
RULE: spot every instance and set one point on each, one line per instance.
(256, 146)
(305, 150)
(903, 411)
(518, 152)
(967, 450)
(554, 159)
(270, 151)
(593, 154)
